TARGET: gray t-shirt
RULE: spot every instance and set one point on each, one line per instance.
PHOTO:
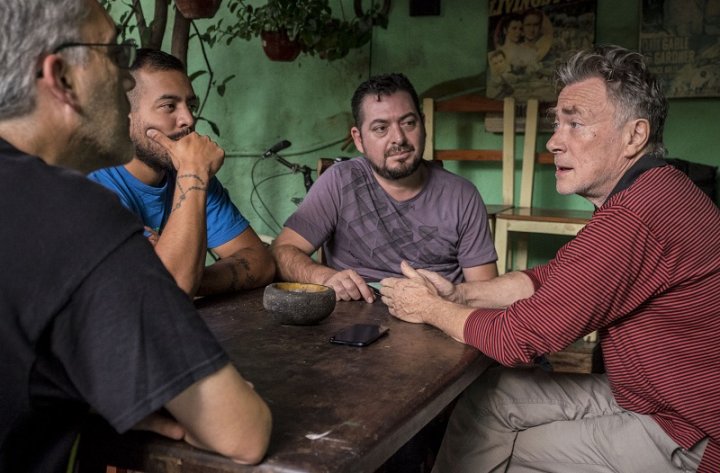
(444, 228)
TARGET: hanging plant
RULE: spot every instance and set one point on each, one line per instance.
(309, 23)
(279, 47)
(194, 9)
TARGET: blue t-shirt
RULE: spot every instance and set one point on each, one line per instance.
(153, 204)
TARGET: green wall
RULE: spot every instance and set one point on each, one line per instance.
(307, 102)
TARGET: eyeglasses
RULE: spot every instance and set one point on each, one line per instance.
(122, 54)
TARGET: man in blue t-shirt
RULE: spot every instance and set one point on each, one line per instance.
(170, 185)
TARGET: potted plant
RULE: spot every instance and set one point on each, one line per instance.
(284, 26)
(288, 27)
(194, 9)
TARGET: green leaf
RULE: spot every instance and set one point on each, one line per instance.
(196, 74)
(228, 79)
(214, 127)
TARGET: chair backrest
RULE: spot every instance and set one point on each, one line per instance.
(528, 162)
(324, 163)
(474, 103)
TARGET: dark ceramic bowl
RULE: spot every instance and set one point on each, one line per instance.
(292, 303)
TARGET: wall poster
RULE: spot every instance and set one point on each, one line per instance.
(527, 38)
(681, 40)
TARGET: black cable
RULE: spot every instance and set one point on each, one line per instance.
(252, 202)
(255, 190)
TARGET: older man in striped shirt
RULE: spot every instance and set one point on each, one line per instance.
(644, 272)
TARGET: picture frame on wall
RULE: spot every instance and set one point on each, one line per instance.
(525, 43)
(681, 41)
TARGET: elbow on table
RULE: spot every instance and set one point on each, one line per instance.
(249, 457)
(251, 451)
(188, 284)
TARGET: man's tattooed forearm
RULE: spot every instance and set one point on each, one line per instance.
(183, 192)
(250, 279)
(235, 280)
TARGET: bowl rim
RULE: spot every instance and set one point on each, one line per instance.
(292, 287)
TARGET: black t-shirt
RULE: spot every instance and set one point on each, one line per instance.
(89, 317)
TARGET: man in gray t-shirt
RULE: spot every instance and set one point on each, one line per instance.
(373, 212)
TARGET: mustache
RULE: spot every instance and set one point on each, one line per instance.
(180, 134)
(399, 149)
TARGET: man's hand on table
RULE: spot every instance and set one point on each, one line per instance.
(425, 297)
(350, 286)
(444, 288)
(409, 298)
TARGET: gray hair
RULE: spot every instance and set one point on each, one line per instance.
(633, 89)
(28, 30)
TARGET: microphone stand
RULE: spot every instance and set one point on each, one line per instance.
(295, 168)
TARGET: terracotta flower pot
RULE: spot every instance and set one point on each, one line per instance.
(279, 47)
(193, 9)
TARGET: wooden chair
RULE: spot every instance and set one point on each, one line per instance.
(324, 163)
(478, 104)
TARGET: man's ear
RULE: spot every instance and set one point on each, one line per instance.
(357, 138)
(637, 133)
(56, 78)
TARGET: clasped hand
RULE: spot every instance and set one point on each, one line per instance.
(191, 151)
(410, 298)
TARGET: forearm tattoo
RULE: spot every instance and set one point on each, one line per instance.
(182, 192)
(250, 279)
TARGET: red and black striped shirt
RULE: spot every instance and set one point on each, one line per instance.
(645, 273)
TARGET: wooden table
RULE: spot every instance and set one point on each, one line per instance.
(335, 408)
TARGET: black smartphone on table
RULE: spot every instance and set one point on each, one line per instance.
(359, 335)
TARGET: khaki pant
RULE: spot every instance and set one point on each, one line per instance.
(517, 420)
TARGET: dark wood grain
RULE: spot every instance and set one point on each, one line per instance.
(335, 408)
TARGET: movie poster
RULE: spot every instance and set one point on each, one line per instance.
(526, 42)
(681, 41)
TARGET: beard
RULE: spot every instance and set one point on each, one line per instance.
(151, 153)
(93, 153)
(102, 139)
(402, 170)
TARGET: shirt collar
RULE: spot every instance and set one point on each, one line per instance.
(645, 163)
